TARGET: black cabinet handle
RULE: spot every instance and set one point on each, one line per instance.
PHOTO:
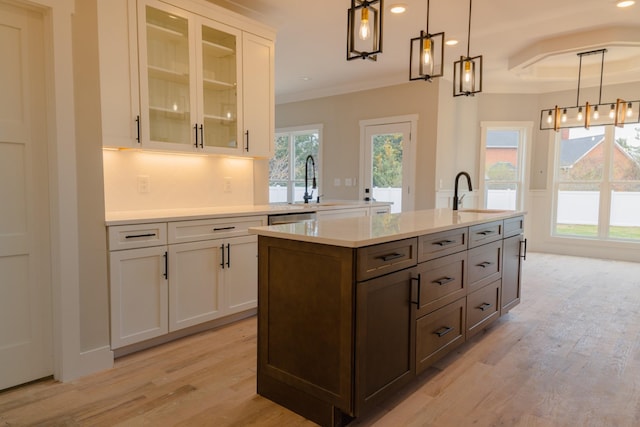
(228, 255)
(484, 306)
(247, 147)
(201, 136)
(523, 255)
(166, 265)
(444, 280)
(418, 279)
(443, 331)
(484, 264)
(195, 128)
(138, 129)
(390, 257)
(486, 232)
(443, 242)
(135, 236)
(222, 253)
(224, 228)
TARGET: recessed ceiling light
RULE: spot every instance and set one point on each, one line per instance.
(625, 3)
(451, 42)
(398, 8)
(305, 78)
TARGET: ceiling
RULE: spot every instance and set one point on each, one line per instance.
(527, 46)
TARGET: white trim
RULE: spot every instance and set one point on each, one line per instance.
(412, 119)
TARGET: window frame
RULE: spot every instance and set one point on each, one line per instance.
(525, 130)
(292, 131)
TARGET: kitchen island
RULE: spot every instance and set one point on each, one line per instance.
(351, 310)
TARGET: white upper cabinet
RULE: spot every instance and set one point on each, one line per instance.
(197, 90)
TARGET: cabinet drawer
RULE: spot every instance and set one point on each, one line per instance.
(385, 258)
(439, 332)
(513, 226)
(484, 265)
(137, 236)
(483, 307)
(435, 245)
(484, 233)
(442, 281)
(207, 229)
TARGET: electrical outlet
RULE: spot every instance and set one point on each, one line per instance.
(143, 184)
(336, 182)
(227, 184)
(347, 182)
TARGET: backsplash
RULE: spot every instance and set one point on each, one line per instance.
(137, 180)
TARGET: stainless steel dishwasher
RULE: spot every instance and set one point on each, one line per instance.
(288, 218)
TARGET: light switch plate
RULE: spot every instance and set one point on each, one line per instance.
(143, 184)
(227, 184)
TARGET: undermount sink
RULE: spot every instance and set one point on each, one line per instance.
(485, 211)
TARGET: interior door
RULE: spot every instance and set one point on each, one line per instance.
(25, 278)
(388, 171)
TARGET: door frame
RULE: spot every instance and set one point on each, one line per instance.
(69, 359)
(412, 119)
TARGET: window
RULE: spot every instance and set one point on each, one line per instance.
(287, 166)
(502, 166)
(597, 183)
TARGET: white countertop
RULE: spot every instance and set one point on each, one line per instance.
(180, 214)
(370, 230)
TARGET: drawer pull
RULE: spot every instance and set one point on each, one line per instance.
(391, 256)
(224, 228)
(486, 232)
(443, 331)
(418, 279)
(135, 236)
(444, 280)
(484, 306)
(484, 264)
(444, 242)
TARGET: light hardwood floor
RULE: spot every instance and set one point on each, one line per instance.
(568, 355)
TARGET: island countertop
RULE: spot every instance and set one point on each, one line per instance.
(371, 230)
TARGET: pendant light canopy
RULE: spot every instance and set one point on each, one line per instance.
(467, 72)
(426, 55)
(609, 113)
(364, 29)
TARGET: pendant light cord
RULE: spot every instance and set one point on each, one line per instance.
(469, 30)
(427, 18)
(601, 71)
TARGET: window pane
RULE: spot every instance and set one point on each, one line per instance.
(501, 155)
(578, 206)
(581, 155)
(625, 186)
(501, 195)
(279, 169)
(386, 165)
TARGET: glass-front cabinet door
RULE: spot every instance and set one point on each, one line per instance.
(167, 90)
(218, 66)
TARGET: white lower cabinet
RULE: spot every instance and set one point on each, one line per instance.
(139, 295)
(195, 272)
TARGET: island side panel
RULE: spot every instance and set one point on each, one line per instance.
(305, 326)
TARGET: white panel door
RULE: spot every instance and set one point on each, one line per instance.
(25, 282)
(241, 274)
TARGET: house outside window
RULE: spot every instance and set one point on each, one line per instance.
(597, 183)
(287, 166)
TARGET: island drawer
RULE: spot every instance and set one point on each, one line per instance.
(441, 281)
(484, 233)
(513, 226)
(386, 258)
(483, 307)
(436, 245)
(439, 332)
(137, 236)
(484, 265)
(207, 229)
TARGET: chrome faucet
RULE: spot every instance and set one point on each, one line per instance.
(455, 192)
(308, 196)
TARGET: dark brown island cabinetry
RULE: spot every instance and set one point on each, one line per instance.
(341, 329)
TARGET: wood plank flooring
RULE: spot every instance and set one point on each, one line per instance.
(568, 355)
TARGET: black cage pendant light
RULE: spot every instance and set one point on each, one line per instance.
(364, 29)
(426, 56)
(467, 72)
